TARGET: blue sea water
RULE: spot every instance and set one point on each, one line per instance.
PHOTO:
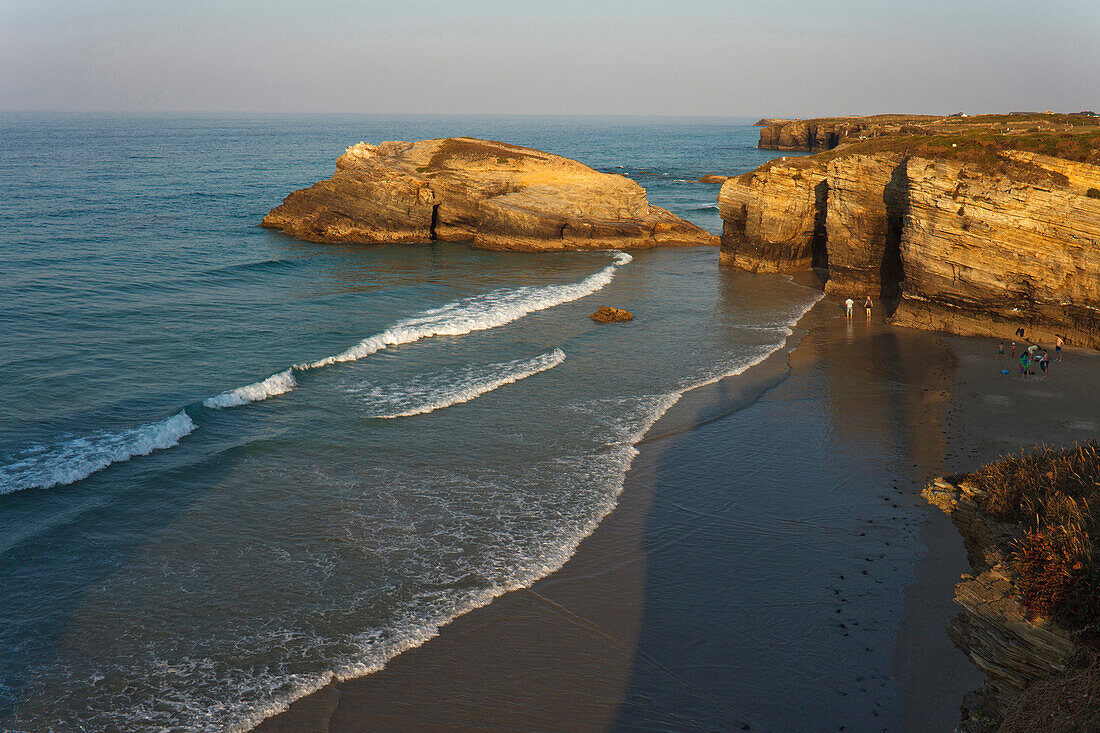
(234, 465)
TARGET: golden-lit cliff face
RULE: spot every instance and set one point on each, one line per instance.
(972, 248)
(496, 195)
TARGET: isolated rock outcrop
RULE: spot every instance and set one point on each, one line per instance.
(498, 196)
(607, 314)
(976, 248)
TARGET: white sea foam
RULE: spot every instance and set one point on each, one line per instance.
(77, 458)
(276, 384)
(476, 313)
(244, 696)
(437, 392)
(617, 461)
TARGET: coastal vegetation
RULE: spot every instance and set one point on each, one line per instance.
(1051, 495)
(980, 150)
(1043, 502)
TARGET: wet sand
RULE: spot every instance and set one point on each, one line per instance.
(770, 565)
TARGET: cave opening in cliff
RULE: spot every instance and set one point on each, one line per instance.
(892, 269)
(435, 222)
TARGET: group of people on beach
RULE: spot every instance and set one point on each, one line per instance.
(1033, 355)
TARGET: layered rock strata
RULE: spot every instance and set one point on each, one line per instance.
(828, 132)
(496, 195)
(970, 251)
(986, 254)
(1012, 649)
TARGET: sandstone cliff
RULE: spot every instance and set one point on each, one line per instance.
(976, 244)
(496, 195)
(983, 253)
(827, 133)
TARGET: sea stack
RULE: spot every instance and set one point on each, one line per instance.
(495, 195)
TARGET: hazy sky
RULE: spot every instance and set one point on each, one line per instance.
(691, 57)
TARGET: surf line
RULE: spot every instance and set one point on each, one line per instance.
(458, 318)
(415, 399)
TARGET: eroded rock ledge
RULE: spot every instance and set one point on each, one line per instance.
(978, 245)
(994, 630)
(498, 196)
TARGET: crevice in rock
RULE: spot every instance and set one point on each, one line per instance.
(819, 243)
(435, 222)
(892, 269)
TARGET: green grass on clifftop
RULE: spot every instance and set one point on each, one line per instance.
(977, 149)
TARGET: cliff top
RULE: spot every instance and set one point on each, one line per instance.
(981, 149)
(1014, 121)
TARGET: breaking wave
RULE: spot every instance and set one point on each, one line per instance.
(475, 313)
(426, 395)
(276, 384)
(75, 459)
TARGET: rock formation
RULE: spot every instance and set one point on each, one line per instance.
(978, 245)
(712, 178)
(496, 195)
(993, 630)
(607, 314)
(770, 121)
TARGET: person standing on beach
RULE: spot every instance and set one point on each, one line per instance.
(1013, 349)
(1044, 359)
(867, 304)
(1058, 346)
(849, 304)
(1024, 364)
(1001, 350)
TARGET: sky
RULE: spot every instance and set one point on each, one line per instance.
(776, 58)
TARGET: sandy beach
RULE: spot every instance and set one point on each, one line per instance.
(770, 564)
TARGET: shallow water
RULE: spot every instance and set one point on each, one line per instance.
(233, 464)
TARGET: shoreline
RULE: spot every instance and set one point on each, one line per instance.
(705, 402)
(575, 650)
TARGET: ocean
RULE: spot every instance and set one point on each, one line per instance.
(235, 466)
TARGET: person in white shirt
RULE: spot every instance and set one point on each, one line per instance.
(849, 304)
